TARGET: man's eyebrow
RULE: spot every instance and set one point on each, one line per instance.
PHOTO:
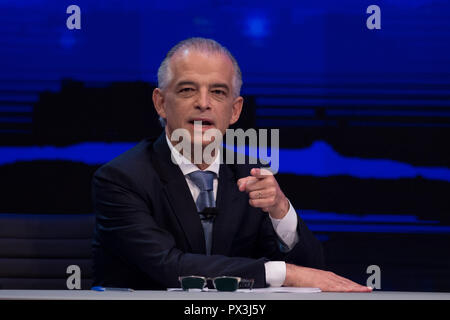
(220, 85)
(192, 83)
(185, 83)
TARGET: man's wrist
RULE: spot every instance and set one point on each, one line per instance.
(289, 278)
(280, 211)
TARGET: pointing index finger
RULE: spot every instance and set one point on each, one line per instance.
(242, 182)
(260, 173)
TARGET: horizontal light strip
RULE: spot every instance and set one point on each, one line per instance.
(280, 123)
(15, 131)
(292, 112)
(16, 119)
(91, 153)
(388, 113)
(313, 215)
(321, 160)
(20, 97)
(320, 102)
(281, 112)
(369, 223)
(397, 124)
(317, 160)
(344, 92)
(377, 228)
(24, 109)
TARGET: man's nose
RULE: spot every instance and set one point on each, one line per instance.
(203, 100)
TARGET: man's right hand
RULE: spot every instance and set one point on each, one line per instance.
(297, 276)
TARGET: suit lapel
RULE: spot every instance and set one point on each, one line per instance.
(179, 195)
(229, 207)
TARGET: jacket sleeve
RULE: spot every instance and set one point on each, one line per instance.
(126, 227)
(308, 252)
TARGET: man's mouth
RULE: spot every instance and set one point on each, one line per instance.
(203, 122)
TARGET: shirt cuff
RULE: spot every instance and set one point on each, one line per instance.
(275, 273)
(286, 228)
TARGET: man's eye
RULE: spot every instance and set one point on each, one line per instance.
(186, 90)
(219, 92)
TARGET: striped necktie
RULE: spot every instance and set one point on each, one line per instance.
(204, 180)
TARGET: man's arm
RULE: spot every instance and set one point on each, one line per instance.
(264, 192)
(127, 228)
(298, 276)
(305, 259)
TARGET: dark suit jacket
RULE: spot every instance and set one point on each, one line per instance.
(148, 231)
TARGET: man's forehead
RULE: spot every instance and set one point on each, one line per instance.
(195, 61)
(186, 53)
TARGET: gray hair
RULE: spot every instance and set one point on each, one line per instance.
(202, 45)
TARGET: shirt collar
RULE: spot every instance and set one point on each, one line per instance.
(187, 166)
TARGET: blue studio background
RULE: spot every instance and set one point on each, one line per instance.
(364, 118)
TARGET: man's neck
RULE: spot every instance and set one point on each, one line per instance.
(201, 166)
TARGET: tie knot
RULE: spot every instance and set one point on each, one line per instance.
(203, 179)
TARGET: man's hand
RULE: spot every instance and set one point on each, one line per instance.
(297, 276)
(264, 192)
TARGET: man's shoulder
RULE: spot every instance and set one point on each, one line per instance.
(134, 161)
(141, 152)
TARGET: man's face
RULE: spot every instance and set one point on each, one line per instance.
(200, 89)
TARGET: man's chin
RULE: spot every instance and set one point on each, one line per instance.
(202, 143)
(197, 138)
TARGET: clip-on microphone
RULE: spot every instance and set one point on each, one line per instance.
(209, 213)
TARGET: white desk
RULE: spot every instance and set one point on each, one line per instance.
(164, 295)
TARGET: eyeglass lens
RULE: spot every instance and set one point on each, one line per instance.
(226, 284)
(192, 283)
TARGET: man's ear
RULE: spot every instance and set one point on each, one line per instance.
(158, 102)
(237, 109)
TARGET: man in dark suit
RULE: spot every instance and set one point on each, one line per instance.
(147, 201)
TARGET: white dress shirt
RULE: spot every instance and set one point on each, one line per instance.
(286, 228)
